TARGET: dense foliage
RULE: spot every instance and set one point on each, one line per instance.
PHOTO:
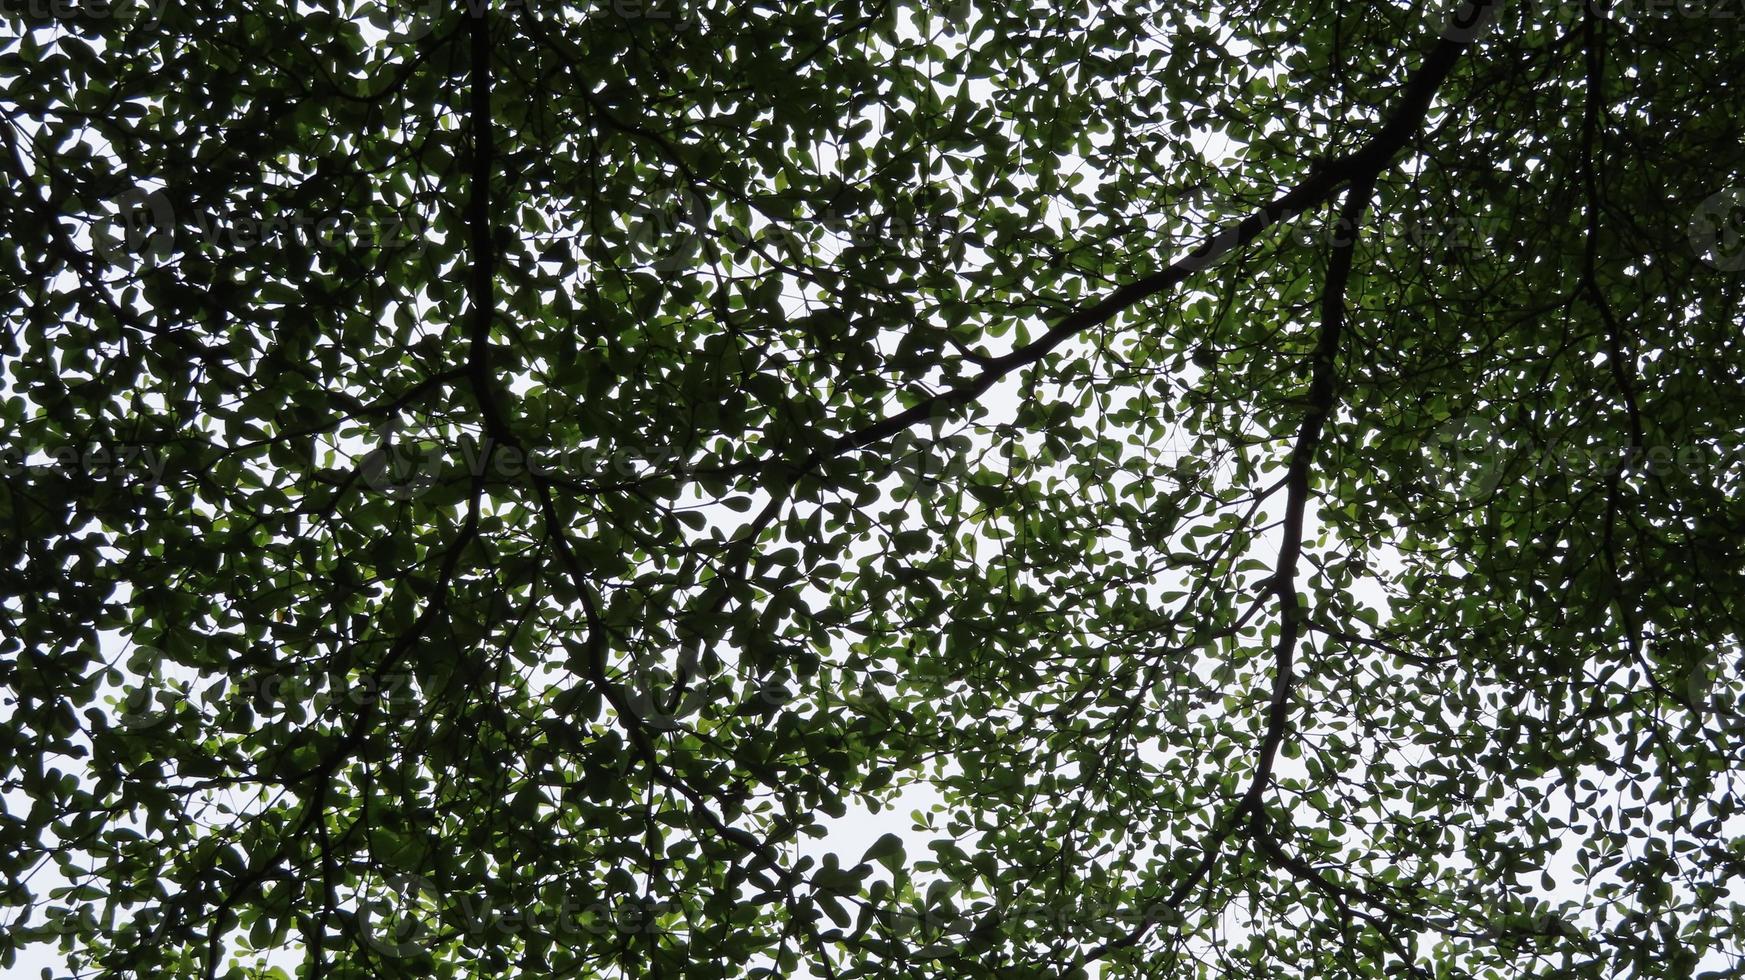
(1237, 489)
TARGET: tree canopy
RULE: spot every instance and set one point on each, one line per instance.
(1228, 489)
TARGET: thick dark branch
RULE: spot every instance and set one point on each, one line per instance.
(1323, 386)
(482, 276)
(1340, 893)
(482, 290)
(1358, 172)
(1377, 153)
(1323, 390)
